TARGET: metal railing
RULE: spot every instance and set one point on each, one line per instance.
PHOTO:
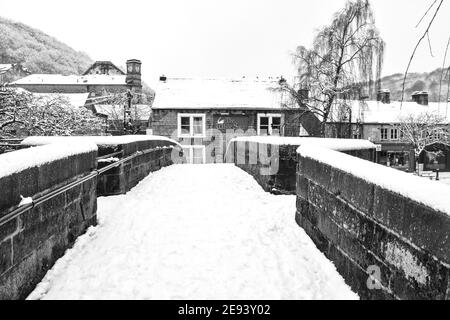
(111, 155)
(22, 209)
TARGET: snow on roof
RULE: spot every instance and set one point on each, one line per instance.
(5, 67)
(378, 112)
(427, 192)
(189, 93)
(98, 140)
(75, 100)
(334, 144)
(139, 111)
(20, 160)
(59, 79)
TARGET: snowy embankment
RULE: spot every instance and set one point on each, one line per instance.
(20, 160)
(99, 140)
(195, 232)
(424, 191)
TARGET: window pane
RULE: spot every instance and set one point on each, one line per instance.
(264, 126)
(187, 154)
(185, 125)
(276, 125)
(197, 155)
(276, 121)
(198, 125)
(185, 121)
(264, 130)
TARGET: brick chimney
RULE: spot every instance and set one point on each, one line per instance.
(303, 94)
(420, 97)
(384, 96)
(133, 78)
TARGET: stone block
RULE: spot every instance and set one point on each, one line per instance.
(5, 255)
(8, 229)
(389, 209)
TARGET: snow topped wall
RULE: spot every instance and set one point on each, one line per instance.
(272, 160)
(99, 140)
(329, 143)
(157, 152)
(373, 220)
(427, 192)
(20, 160)
(32, 241)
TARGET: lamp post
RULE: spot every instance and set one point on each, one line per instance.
(127, 110)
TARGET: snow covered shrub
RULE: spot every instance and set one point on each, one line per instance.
(23, 113)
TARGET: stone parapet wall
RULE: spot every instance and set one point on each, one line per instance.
(387, 244)
(119, 180)
(274, 164)
(33, 241)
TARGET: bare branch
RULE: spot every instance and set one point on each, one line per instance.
(426, 13)
(443, 68)
(416, 47)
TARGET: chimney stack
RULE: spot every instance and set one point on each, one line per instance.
(384, 96)
(133, 78)
(303, 94)
(420, 97)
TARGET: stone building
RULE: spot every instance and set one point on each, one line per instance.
(101, 80)
(378, 122)
(4, 68)
(11, 71)
(204, 114)
(114, 115)
(104, 67)
(101, 77)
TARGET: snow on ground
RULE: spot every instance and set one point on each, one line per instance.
(444, 177)
(195, 232)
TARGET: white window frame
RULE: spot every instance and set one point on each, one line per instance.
(191, 125)
(381, 134)
(392, 133)
(270, 116)
(191, 148)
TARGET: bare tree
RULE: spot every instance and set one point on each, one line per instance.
(346, 56)
(423, 130)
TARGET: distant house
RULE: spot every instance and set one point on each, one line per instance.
(101, 80)
(4, 68)
(378, 122)
(10, 71)
(101, 77)
(203, 114)
(138, 117)
(104, 67)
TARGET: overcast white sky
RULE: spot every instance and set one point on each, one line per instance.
(227, 38)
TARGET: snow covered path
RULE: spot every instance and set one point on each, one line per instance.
(195, 232)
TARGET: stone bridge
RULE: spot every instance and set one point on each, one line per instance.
(386, 232)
